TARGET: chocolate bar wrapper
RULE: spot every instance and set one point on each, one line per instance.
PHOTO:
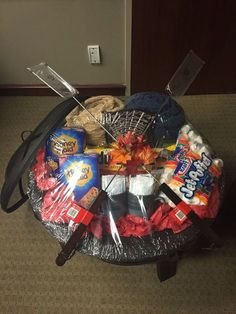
(87, 200)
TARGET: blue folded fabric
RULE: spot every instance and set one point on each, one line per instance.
(170, 116)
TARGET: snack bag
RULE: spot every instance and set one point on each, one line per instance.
(191, 171)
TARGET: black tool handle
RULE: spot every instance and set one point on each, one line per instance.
(71, 244)
(202, 225)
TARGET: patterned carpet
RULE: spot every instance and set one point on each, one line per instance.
(30, 281)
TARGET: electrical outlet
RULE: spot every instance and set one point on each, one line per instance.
(94, 54)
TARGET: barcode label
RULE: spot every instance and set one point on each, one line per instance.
(180, 215)
(72, 213)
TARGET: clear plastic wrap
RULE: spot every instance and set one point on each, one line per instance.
(95, 105)
(46, 74)
(92, 109)
(136, 222)
(185, 74)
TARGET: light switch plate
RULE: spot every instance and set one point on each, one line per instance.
(94, 54)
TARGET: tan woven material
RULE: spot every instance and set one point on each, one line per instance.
(96, 105)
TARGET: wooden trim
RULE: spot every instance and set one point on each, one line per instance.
(42, 90)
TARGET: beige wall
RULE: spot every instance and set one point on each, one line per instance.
(58, 31)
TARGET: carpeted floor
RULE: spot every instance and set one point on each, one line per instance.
(30, 282)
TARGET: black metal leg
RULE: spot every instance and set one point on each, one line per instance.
(167, 266)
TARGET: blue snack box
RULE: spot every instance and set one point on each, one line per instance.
(64, 141)
(80, 173)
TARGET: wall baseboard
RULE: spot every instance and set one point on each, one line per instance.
(42, 90)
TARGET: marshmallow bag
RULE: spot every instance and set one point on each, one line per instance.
(148, 142)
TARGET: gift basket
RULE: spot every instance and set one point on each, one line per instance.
(128, 183)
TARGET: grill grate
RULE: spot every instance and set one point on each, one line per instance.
(121, 122)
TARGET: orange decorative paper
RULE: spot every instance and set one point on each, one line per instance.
(132, 149)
